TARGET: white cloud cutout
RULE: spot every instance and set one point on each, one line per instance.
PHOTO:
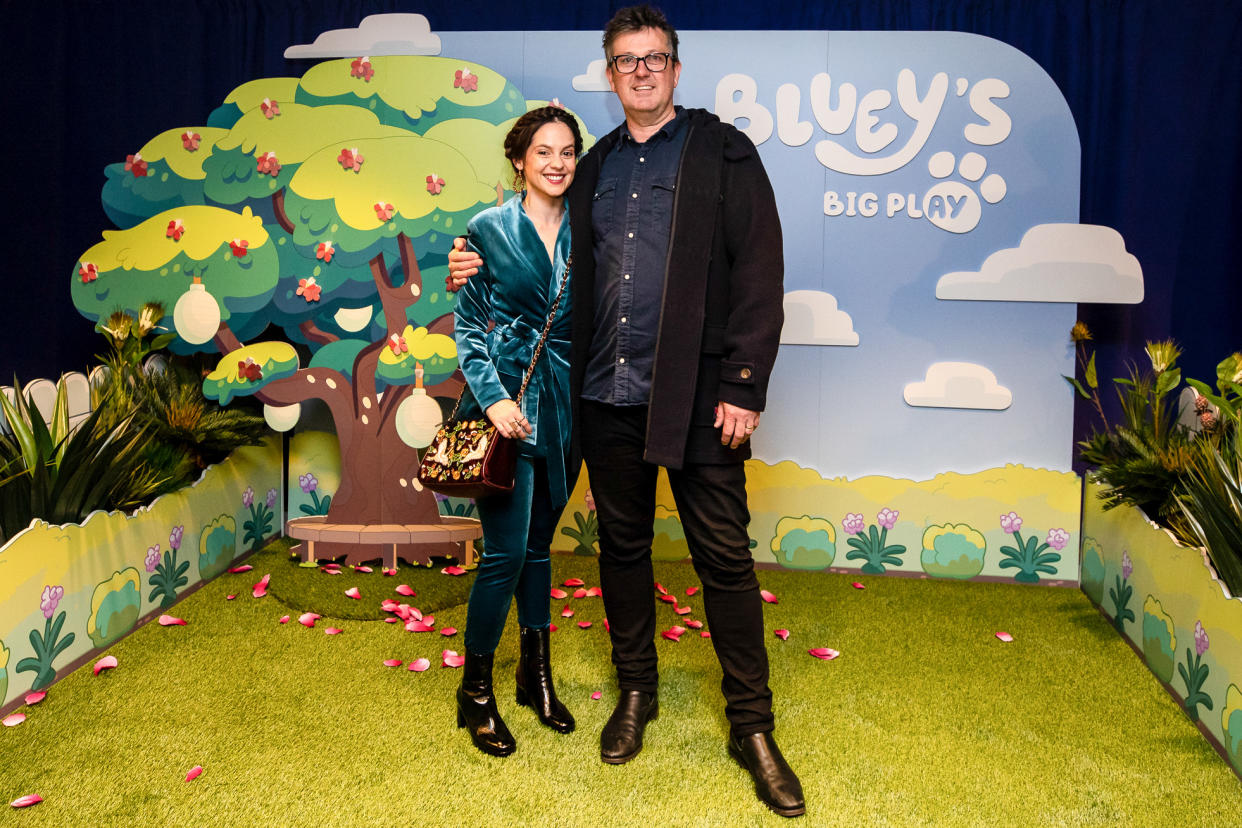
(958, 385)
(1054, 263)
(377, 34)
(812, 318)
(593, 79)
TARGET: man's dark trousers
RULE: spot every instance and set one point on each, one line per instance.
(711, 502)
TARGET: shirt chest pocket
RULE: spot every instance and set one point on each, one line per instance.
(603, 203)
(663, 190)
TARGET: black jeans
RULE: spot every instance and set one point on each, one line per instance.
(711, 502)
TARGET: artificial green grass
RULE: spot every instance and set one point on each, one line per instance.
(926, 718)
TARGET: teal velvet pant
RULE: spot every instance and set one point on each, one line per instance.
(517, 536)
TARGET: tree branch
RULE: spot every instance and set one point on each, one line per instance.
(409, 267)
(278, 207)
(316, 334)
(394, 300)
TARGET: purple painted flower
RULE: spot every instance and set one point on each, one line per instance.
(1011, 522)
(1127, 566)
(308, 482)
(887, 517)
(853, 523)
(271, 498)
(174, 537)
(1201, 638)
(248, 497)
(1057, 539)
(51, 599)
(153, 557)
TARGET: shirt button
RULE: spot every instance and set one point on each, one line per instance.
(631, 235)
(621, 360)
(744, 373)
(642, 160)
(627, 276)
(634, 195)
(623, 320)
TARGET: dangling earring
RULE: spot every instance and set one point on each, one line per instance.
(519, 182)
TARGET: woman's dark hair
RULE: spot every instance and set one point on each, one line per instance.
(635, 19)
(517, 142)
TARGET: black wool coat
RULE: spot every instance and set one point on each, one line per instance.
(721, 319)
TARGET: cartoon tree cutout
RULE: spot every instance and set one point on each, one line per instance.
(321, 206)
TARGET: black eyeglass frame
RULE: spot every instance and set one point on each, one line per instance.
(668, 58)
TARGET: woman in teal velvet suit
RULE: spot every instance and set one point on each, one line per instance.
(525, 244)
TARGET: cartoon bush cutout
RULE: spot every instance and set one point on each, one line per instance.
(1093, 570)
(953, 550)
(1159, 639)
(804, 542)
(670, 538)
(115, 605)
(217, 546)
(1230, 723)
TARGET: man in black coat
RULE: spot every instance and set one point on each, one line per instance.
(678, 285)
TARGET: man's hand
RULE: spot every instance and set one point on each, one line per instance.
(508, 419)
(463, 264)
(735, 424)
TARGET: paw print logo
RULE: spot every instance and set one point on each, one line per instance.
(953, 205)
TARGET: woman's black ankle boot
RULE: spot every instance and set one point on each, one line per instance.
(476, 707)
(534, 682)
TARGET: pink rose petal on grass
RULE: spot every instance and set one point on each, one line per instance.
(392, 620)
(691, 590)
(574, 582)
(660, 588)
(36, 697)
(260, 589)
(449, 658)
(595, 592)
(596, 696)
(606, 625)
(393, 662)
(559, 594)
(418, 626)
(1004, 636)
(768, 597)
(333, 630)
(308, 619)
(26, 801)
(105, 663)
(551, 628)
(693, 624)
(448, 631)
(674, 633)
(229, 597)
(705, 634)
(365, 570)
(170, 621)
(327, 571)
(668, 599)
(580, 593)
(584, 624)
(453, 570)
(13, 719)
(353, 592)
(419, 665)
(783, 635)
(404, 589)
(857, 585)
(427, 619)
(567, 612)
(195, 773)
(284, 619)
(389, 571)
(824, 653)
(238, 569)
(332, 565)
(681, 610)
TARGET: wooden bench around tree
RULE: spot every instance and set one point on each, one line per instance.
(398, 540)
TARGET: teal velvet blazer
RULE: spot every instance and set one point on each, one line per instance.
(515, 289)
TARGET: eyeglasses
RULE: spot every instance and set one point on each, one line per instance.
(655, 62)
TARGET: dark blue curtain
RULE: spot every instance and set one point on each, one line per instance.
(1155, 88)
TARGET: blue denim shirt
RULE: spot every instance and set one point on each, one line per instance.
(631, 218)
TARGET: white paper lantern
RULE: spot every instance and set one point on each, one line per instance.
(196, 315)
(418, 418)
(353, 319)
(282, 417)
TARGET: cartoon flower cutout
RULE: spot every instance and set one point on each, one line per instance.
(1201, 638)
(249, 370)
(434, 184)
(466, 81)
(51, 599)
(238, 247)
(324, 250)
(176, 229)
(153, 557)
(268, 165)
(1127, 566)
(88, 271)
(361, 68)
(384, 211)
(887, 518)
(248, 497)
(397, 343)
(590, 501)
(557, 103)
(308, 482)
(853, 523)
(189, 140)
(135, 164)
(270, 108)
(271, 498)
(350, 159)
(308, 289)
(1057, 539)
(174, 537)
(1010, 523)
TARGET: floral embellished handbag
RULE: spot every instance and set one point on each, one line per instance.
(469, 458)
